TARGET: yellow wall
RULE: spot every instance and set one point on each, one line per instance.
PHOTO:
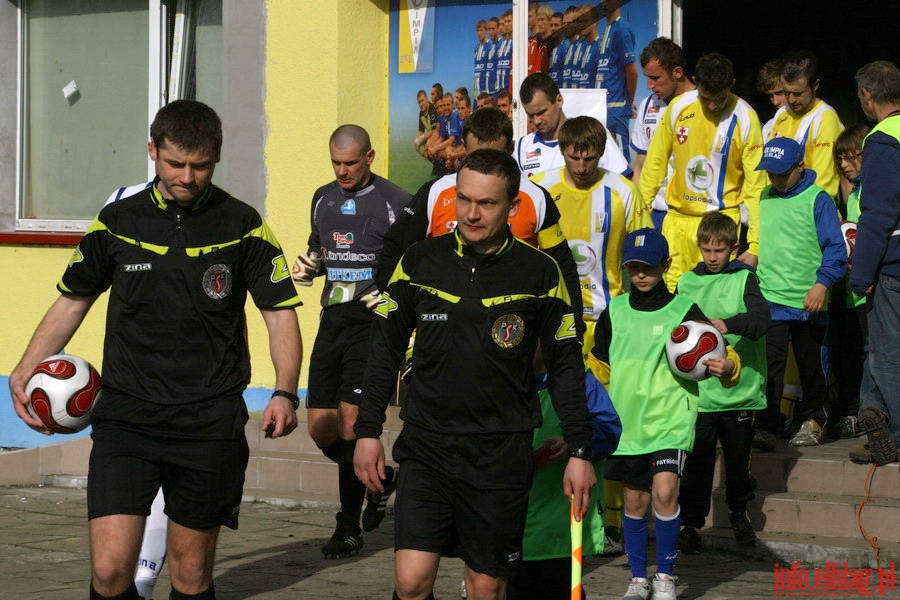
(326, 64)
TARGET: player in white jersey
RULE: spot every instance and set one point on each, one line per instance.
(539, 151)
(664, 66)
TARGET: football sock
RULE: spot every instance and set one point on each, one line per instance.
(351, 490)
(208, 594)
(635, 530)
(153, 548)
(667, 530)
(129, 594)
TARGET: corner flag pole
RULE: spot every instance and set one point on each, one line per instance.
(575, 532)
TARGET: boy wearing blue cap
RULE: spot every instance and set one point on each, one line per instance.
(658, 409)
(801, 255)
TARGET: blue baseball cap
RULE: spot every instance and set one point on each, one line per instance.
(646, 246)
(780, 154)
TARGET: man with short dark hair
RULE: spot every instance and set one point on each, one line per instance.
(876, 263)
(180, 257)
(715, 142)
(539, 150)
(432, 211)
(808, 119)
(349, 218)
(465, 450)
(427, 122)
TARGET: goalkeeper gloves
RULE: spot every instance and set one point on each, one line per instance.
(306, 267)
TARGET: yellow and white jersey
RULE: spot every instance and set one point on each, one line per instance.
(715, 160)
(595, 222)
(816, 132)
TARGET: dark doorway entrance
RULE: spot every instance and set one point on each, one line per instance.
(843, 35)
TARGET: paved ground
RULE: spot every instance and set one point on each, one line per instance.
(275, 555)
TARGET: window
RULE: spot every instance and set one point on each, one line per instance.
(92, 74)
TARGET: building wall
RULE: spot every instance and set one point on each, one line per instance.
(325, 64)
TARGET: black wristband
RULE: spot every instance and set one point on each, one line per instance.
(585, 452)
(294, 398)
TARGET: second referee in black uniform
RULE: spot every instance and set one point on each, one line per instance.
(480, 302)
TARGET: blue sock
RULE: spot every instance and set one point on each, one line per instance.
(635, 530)
(667, 530)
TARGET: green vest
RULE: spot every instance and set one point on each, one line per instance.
(853, 215)
(789, 252)
(658, 409)
(721, 296)
(547, 532)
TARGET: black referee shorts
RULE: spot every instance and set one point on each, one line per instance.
(441, 508)
(202, 480)
(339, 355)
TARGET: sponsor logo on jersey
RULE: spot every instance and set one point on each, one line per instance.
(531, 166)
(508, 331)
(342, 240)
(217, 281)
(433, 317)
(349, 207)
(536, 153)
(349, 256)
(349, 274)
(681, 134)
(132, 268)
(699, 174)
(652, 109)
(585, 257)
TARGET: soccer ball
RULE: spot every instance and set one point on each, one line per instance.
(848, 228)
(689, 345)
(63, 392)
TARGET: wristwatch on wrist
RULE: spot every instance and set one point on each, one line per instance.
(294, 398)
(584, 452)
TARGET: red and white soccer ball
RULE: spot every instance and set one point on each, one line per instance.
(63, 392)
(848, 228)
(689, 345)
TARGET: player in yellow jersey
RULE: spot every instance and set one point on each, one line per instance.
(597, 209)
(715, 141)
(808, 119)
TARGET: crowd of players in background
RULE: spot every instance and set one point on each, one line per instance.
(816, 342)
(568, 46)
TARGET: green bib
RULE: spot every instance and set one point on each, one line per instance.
(547, 531)
(853, 215)
(658, 409)
(789, 252)
(721, 296)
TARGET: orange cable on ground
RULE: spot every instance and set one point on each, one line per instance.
(867, 487)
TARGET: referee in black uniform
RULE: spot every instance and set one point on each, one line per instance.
(480, 302)
(179, 258)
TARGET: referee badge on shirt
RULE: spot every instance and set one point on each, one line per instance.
(217, 281)
(508, 331)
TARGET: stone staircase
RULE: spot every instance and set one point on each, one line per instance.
(805, 506)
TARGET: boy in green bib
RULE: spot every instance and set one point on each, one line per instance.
(658, 409)
(801, 256)
(727, 291)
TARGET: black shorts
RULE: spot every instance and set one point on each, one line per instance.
(339, 355)
(202, 480)
(463, 496)
(638, 469)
